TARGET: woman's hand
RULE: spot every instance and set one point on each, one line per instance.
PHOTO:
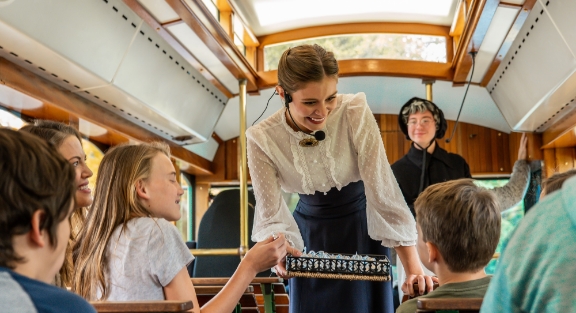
(523, 150)
(280, 267)
(267, 253)
(425, 284)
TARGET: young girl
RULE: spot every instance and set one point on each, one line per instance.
(129, 250)
(67, 140)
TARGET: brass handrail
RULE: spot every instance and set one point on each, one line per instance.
(225, 251)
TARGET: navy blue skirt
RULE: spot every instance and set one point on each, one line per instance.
(336, 223)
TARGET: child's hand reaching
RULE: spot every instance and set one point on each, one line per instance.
(266, 254)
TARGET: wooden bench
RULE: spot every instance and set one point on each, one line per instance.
(164, 306)
(267, 290)
(463, 305)
(205, 293)
(213, 290)
(247, 302)
(281, 299)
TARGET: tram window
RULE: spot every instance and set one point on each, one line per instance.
(93, 158)
(510, 220)
(184, 224)
(211, 6)
(10, 120)
(368, 46)
(238, 29)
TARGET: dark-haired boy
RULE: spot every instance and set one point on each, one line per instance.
(458, 231)
(36, 198)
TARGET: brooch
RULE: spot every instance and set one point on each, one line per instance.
(308, 142)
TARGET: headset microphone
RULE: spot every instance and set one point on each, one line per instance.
(287, 99)
(320, 135)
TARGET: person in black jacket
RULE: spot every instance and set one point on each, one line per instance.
(423, 122)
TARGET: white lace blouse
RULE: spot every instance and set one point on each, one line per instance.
(352, 151)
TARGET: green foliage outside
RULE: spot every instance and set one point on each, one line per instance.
(368, 46)
(510, 220)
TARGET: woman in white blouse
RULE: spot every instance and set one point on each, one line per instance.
(350, 201)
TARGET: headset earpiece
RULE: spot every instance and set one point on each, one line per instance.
(287, 99)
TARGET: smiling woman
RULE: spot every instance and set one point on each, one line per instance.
(349, 200)
(68, 142)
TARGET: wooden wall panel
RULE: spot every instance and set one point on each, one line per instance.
(226, 164)
(558, 160)
(565, 159)
(232, 155)
(201, 201)
(549, 162)
(219, 167)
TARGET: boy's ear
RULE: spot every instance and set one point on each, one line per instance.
(142, 190)
(433, 252)
(36, 234)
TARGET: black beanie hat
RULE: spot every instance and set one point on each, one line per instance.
(440, 131)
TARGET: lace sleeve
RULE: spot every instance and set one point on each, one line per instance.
(271, 213)
(389, 218)
(513, 192)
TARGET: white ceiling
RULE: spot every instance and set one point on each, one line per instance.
(385, 95)
(272, 16)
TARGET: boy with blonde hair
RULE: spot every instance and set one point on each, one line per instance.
(458, 231)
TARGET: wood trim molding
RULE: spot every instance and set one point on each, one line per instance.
(377, 67)
(506, 45)
(176, 45)
(199, 19)
(481, 14)
(354, 28)
(28, 83)
(559, 132)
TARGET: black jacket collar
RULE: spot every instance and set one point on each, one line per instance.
(415, 156)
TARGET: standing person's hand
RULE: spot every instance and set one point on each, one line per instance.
(267, 253)
(523, 150)
(280, 267)
(425, 284)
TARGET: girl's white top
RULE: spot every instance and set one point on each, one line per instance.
(352, 151)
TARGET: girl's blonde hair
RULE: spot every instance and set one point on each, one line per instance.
(55, 133)
(115, 203)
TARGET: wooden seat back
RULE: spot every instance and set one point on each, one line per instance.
(164, 306)
(269, 292)
(247, 302)
(463, 305)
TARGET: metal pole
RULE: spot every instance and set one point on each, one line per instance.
(230, 251)
(428, 83)
(243, 173)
